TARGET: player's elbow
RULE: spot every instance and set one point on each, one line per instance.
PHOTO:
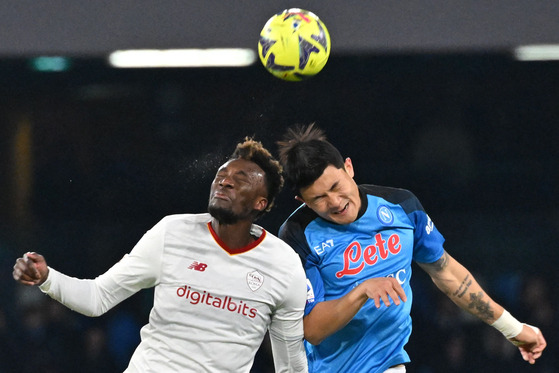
(313, 341)
(315, 328)
(313, 337)
(89, 312)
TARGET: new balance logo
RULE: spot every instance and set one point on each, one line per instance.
(197, 266)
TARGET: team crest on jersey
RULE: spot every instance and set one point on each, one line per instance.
(385, 215)
(254, 280)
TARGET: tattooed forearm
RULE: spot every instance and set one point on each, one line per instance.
(480, 308)
(464, 286)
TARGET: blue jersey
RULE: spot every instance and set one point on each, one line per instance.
(391, 230)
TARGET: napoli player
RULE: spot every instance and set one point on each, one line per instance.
(357, 243)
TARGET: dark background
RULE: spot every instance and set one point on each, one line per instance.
(93, 157)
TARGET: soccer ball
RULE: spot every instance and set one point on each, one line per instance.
(294, 45)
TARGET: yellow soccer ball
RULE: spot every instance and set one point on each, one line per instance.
(294, 45)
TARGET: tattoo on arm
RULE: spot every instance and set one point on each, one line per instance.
(464, 286)
(481, 309)
(440, 264)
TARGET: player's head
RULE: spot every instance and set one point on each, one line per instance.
(305, 153)
(319, 174)
(245, 187)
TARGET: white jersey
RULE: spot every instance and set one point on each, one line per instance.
(212, 305)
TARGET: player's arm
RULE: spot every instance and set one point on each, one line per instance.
(461, 287)
(93, 297)
(87, 297)
(327, 317)
(286, 327)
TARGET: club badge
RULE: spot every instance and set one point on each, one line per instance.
(385, 215)
(254, 280)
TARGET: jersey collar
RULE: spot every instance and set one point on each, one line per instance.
(364, 203)
(241, 250)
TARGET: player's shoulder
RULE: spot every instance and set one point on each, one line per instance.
(279, 249)
(292, 231)
(276, 242)
(299, 219)
(393, 195)
(279, 243)
(179, 220)
(390, 194)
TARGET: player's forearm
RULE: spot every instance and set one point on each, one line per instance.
(288, 354)
(462, 288)
(87, 297)
(328, 317)
(470, 296)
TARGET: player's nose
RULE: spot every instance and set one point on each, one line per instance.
(225, 181)
(333, 201)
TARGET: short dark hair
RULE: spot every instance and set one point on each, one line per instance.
(305, 153)
(253, 151)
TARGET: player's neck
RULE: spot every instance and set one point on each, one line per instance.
(235, 236)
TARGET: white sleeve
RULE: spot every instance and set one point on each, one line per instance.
(135, 271)
(286, 328)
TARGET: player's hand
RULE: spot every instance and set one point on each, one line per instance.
(31, 269)
(383, 289)
(530, 342)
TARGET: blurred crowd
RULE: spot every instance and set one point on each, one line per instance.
(38, 334)
(447, 340)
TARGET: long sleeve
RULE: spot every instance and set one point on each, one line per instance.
(286, 329)
(135, 271)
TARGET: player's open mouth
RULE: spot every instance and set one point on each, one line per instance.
(342, 211)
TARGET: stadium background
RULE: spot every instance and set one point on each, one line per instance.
(421, 95)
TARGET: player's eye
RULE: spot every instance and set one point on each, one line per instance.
(241, 180)
(317, 200)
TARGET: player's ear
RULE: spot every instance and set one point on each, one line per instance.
(298, 198)
(261, 203)
(349, 167)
